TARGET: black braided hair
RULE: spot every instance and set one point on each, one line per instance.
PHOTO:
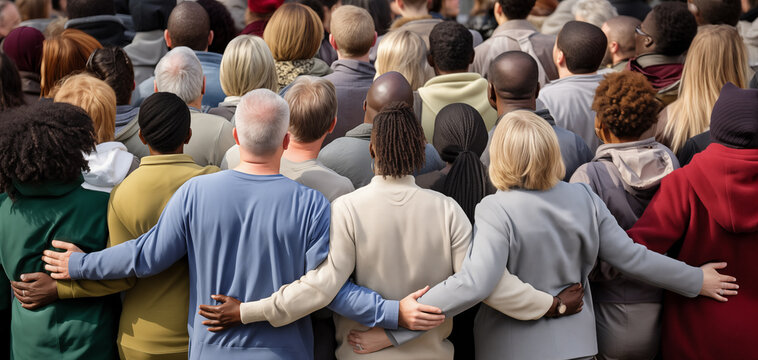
(398, 141)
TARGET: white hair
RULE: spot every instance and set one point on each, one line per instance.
(595, 12)
(262, 120)
(180, 73)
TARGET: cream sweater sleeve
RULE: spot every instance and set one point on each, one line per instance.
(317, 287)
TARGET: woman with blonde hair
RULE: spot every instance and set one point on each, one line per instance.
(550, 234)
(247, 65)
(64, 55)
(110, 162)
(294, 36)
(717, 56)
(405, 52)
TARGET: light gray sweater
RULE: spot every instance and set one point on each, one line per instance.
(549, 239)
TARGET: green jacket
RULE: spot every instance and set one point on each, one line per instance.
(67, 329)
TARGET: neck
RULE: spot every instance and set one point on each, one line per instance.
(448, 72)
(613, 139)
(363, 58)
(178, 151)
(197, 103)
(563, 72)
(414, 13)
(299, 152)
(505, 106)
(621, 58)
(259, 165)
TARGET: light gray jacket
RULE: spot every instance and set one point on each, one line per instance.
(549, 239)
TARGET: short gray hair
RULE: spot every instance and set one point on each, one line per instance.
(595, 12)
(180, 73)
(262, 119)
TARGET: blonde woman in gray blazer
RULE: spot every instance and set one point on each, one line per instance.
(549, 234)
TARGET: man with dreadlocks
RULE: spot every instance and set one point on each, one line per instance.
(41, 164)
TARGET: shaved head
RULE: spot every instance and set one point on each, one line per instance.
(514, 75)
(389, 88)
(189, 25)
(620, 30)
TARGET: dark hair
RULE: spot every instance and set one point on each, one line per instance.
(222, 25)
(315, 5)
(460, 136)
(149, 15)
(11, 94)
(583, 46)
(76, 9)
(625, 103)
(398, 141)
(113, 66)
(189, 25)
(379, 10)
(164, 121)
(516, 9)
(717, 12)
(675, 27)
(43, 142)
(451, 46)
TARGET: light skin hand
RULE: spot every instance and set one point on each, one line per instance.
(35, 290)
(715, 285)
(416, 316)
(223, 316)
(57, 262)
(366, 342)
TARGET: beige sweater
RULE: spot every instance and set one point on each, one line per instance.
(395, 238)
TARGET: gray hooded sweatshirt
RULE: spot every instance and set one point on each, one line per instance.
(625, 176)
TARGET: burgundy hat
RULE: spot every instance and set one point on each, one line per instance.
(263, 6)
(24, 46)
(734, 120)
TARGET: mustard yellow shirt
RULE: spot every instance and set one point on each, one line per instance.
(154, 314)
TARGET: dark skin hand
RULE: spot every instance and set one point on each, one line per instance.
(572, 297)
(35, 290)
(223, 316)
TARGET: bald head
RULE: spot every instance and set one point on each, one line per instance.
(189, 25)
(514, 75)
(386, 89)
(621, 44)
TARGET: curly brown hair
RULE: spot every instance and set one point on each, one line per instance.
(625, 103)
(398, 141)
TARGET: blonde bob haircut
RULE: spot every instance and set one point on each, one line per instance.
(717, 56)
(405, 52)
(525, 153)
(97, 99)
(294, 33)
(247, 65)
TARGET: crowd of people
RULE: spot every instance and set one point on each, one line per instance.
(378, 179)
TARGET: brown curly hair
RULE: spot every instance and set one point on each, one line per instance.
(625, 103)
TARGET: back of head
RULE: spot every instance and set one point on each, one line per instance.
(262, 119)
(415, 4)
(63, 55)
(625, 103)
(247, 65)
(734, 121)
(451, 45)
(583, 46)
(516, 9)
(621, 30)
(44, 142)
(525, 153)
(313, 108)
(595, 12)
(388, 88)
(33, 9)
(24, 46)
(221, 23)
(673, 28)
(405, 52)
(113, 66)
(149, 15)
(717, 12)
(96, 98)
(164, 121)
(189, 25)
(514, 75)
(353, 30)
(76, 9)
(379, 10)
(180, 72)
(10, 84)
(294, 32)
(397, 141)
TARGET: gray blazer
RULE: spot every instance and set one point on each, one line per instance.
(576, 229)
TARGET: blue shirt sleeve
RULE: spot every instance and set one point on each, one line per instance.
(318, 240)
(365, 306)
(150, 254)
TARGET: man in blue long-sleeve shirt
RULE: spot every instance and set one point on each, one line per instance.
(246, 232)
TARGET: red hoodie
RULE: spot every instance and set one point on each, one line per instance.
(708, 211)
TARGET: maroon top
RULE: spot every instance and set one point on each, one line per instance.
(659, 76)
(255, 28)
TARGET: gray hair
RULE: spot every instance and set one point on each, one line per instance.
(262, 120)
(180, 73)
(595, 12)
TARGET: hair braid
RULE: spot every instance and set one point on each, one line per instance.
(398, 141)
